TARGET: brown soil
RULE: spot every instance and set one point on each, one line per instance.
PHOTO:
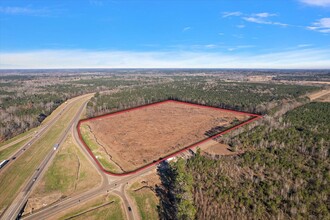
(325, 98)
(321, 96)
(215, 148)
(318, 94)
(138, 137)
(150, 180)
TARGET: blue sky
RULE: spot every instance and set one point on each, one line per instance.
(165, 33)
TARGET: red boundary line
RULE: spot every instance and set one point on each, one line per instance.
(254, 117)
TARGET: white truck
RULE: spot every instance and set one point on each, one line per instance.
(3, 163)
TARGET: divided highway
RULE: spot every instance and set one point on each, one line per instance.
(109, 184)
(36, 136)
(15, 208)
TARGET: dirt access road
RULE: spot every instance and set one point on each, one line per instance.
(319, 94)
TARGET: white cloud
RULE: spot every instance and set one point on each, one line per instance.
(240, 47)
(262, 20)
(230, 14)
(322, 25)
(186, 29)
(304, 45)
(299, 58)
(24, 11)
(259, 18)
(240, 26)
(264, 15)
(210, 46)
(322, 3)
(255, 20)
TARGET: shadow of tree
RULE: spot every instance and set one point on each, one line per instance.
(167, 202)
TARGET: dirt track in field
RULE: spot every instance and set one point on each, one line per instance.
(322, 96)
(138, 137)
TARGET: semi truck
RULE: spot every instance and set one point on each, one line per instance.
(3, 163)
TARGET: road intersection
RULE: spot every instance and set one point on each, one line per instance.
(109, 184)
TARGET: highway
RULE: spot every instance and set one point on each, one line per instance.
(14, 209)
(117, 186)
(36, 136)
(110, 184)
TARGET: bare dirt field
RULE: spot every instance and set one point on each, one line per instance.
(322, 96)
(214, 148)
(135, 138)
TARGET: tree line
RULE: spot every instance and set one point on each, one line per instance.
(242, 96)
(283, 174)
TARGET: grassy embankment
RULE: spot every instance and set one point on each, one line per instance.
(14, 177)
(7, 152)
(146, 201)
(101, 156)
(106, 207)
(69, 173)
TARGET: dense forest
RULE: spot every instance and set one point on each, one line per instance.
(307, 76)
(283, 174)
(243, 96)
(25, 100)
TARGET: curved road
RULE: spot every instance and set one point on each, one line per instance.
(113, 184)
(19, 202)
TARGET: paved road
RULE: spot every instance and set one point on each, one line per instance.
(115, 186)
(36, 136)
(14, 209)
(109, 184)
(16, 141)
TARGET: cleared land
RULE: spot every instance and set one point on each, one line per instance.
(132, 139)
(322, 95)
(214, 148)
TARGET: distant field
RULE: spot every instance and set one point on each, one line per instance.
(132, 139)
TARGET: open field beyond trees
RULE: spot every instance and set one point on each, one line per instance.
(135, 138)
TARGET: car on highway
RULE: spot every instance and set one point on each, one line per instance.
(13, 158)
(129, 208)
